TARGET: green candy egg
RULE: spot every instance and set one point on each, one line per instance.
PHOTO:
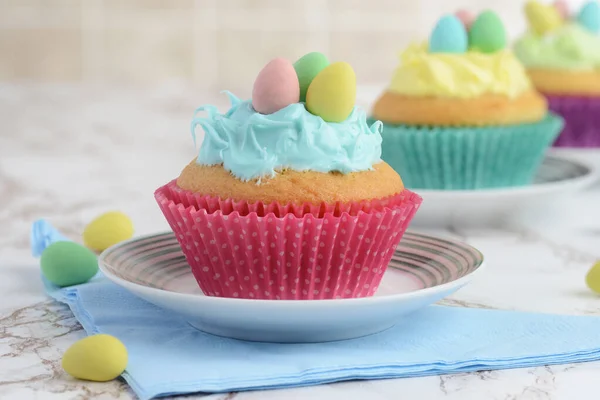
(592, 279)
(307, 67)
(68, 263)
(487, 34)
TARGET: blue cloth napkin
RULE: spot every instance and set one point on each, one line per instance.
(43, 235)
(168, 357)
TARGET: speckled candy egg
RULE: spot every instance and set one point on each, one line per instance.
(448, 36)
(68, 264)
(307, 67)
(562, 7)
(466, 17)
(276, 87)
(592, 279)
(589, 16)
(542, 18)
(97, 358)
(332, 94)
(487, 34)
(107, 230)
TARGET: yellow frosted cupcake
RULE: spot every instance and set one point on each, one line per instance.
(466, 89)
(461, 113)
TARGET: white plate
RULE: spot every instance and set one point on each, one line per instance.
(588, 156)
(424, 269)
(558, 178)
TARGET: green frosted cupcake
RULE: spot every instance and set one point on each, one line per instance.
(461, 113)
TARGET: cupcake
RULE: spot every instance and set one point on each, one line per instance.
(288, 197)
(562, 56)
(461, 113)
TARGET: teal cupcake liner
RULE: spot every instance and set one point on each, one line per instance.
(463, 158)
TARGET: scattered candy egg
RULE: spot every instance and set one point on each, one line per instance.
(589, 16)
(592, 279)
(332, 93)
(466, 17)
(276, 87)
(107, 230)
(487, 33)
(448, 36)
(68, 263)
(562, 7)
(307, 67)
(542, 18)
(97, 358)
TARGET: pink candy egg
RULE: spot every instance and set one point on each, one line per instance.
(466, 17)
(276, 87)
(562, 7)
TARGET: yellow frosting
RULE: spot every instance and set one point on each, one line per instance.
(466, 75)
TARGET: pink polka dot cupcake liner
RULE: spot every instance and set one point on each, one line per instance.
(286, 252)
(582, 120)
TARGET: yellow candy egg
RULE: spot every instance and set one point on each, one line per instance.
(97, 358)
(107, 230)
(592, 279)
(542, 18)
(332, 93)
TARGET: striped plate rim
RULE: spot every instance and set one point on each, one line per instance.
(157, 260)
(556, 169)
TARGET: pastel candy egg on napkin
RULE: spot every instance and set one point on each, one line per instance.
(448, 36)
(68, 263)
(307, 67)
(542, 18)
(332, 93)
(487, 34)
(589, 16)
(107, 230)
(275, 87)
(98, 358)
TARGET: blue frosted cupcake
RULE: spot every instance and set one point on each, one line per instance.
(289, 199)
(461, 113)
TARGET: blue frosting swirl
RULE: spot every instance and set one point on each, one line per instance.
(252, 145)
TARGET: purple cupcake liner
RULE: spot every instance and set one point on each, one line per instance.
(582, 120)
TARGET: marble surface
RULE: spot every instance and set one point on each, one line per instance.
(70, 153)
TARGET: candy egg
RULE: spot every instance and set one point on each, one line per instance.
(542, 18)
(589, 16)
(487, 34)
(332, 93)
(68, 263)
(592, 279)
(466, 17)
(106, 230)
(562, 7)
(307, 67)
(448, 36)
(97, 358)
(276, 87)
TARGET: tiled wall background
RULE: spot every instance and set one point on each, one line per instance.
(212, 43)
